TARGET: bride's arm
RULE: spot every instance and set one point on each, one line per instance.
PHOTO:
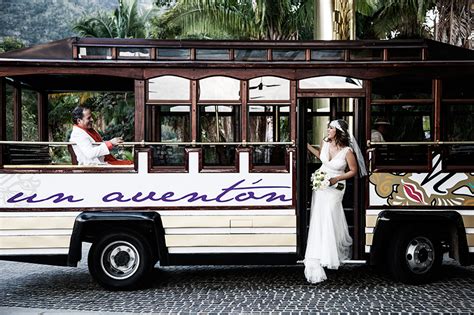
(315, 151)
(352, 164)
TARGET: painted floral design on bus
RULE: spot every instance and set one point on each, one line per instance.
(11, 185)
(420, 189)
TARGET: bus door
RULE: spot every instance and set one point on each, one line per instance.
(314, 114)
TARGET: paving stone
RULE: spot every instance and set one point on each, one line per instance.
(353, 289)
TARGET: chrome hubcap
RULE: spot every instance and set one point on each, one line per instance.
(120, 260)
(420, 255)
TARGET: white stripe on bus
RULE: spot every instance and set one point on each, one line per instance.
(230, 240)
(176, 231)
(34, 251)
(377, 211)
(210, 249)
(67, 232)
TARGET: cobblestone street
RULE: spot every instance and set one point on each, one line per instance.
(235, 289)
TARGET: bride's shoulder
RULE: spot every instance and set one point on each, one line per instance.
(323, 143)
(348, 151)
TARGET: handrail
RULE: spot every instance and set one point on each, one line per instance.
(243, 143)
(376, 143)
(144, 143)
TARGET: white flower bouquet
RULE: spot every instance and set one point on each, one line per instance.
(320, 181)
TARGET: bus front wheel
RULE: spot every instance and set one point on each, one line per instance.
(120, 261)
(414, 256)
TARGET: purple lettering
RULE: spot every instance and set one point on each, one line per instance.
(226, 190)
(56, 198)
(245, 196)
(234, 192)
(273, 196)
(167, 195)
(115, 196)
(138, 194)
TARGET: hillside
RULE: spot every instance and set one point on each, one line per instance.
(40, 21)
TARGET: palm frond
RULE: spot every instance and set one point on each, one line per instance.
(244, 19)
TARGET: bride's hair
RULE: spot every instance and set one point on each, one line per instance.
(342, 138)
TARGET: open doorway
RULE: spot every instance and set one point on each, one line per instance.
(314, 114)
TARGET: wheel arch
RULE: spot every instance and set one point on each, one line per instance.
(91, 225)
(447, 225)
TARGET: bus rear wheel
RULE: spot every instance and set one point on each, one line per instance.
(120, 261)
(414, 257)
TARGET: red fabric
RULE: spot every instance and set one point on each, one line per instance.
(109, 158)
(109, 145)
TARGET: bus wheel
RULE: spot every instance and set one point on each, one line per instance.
(120, 261)
(414, 256)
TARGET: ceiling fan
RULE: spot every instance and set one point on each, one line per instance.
(261, 85)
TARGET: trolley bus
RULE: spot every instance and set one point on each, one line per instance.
(220, 171)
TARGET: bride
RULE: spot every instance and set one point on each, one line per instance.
(329, 241)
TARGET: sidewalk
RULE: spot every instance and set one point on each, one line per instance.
(41, 311)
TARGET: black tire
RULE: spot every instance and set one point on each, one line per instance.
(414, 257)
(121, 261)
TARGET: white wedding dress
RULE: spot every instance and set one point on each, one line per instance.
(329, 241)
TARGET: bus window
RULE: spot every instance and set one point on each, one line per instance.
(459, 128)
(401, 88)
(460, 125)
(402, 110)
(219, 120)
(402, 123)
(269, 88)
(219, 123)
(268, 123)
(219, 88)
(413, 122)
(330, 82)
(169, 123)
(169, 87)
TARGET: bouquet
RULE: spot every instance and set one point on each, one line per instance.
(320, 181)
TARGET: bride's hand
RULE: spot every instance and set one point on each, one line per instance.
(333, 181)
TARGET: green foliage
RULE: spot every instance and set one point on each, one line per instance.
(237, 19)
(29, 114)
(59, 115)
(166, 4)
(60, 123)
(113, 117)
(115, 111)
(11, 43)
(377, 19)
(126, 21)
(114, 114)
(42, 21)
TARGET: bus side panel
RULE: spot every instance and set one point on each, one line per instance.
(208, 236)
(41, 237)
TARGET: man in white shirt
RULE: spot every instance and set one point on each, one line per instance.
(84, 137)
(376, 134)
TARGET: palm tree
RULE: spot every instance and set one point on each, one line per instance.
(114, 110)
(126, 21)
(453, 23)
(241, 19)
(393, 18)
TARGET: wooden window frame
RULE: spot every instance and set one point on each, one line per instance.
(238, 133)
(269, 168)
(170, 101)
(443, 135)
(375, 166)
(151, 124)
